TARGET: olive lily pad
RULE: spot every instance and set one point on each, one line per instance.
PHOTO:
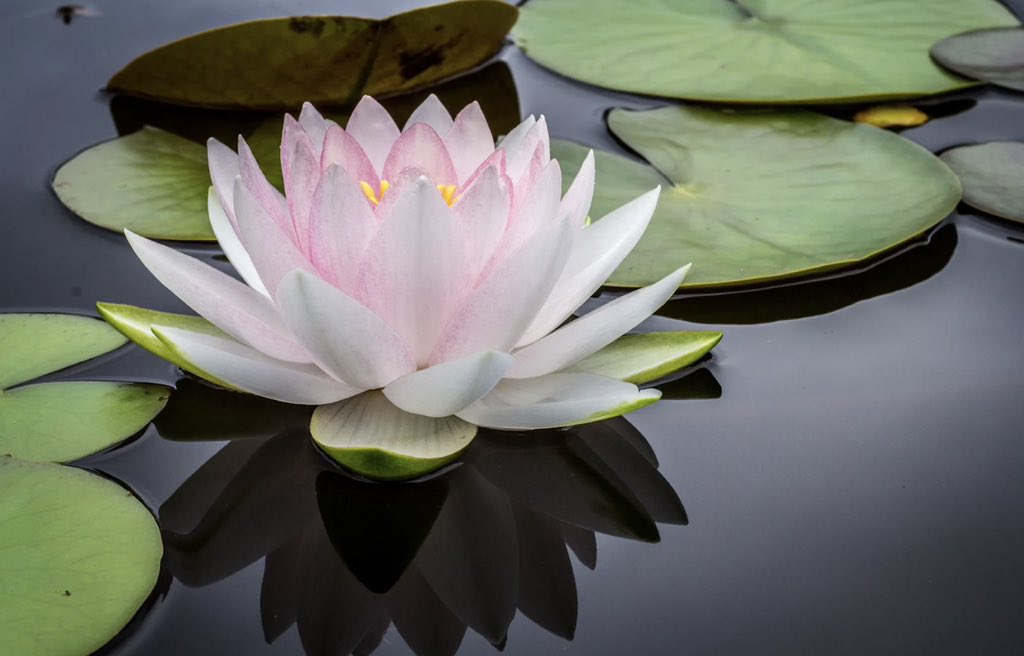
(995, 55)
(371, 436)
(751, 197)
(891, 116)
(757, 51)
(151, 182)
(280, 63)
(80, 556)
(62, 421)
(992, 175)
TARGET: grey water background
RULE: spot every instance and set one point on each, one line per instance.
(853, 478)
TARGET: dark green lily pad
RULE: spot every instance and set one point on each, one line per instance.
(280, 63)
(993, 177)
(995, 56)
(151, 182)
(755, 51)
(80, 556)
(751, 197)
(64, 421)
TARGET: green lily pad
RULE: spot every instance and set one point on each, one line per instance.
(995, 56)
(757, 51)
(59, 422)
(32, 345)
(279, 63)
(372, 437)
(137, 323)
(152, 182)
(65, 420)
(750, 197)
(642, 358)
(80, 556)
(992, 175)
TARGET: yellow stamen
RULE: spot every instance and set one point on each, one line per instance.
(368, 190)
(447, 193)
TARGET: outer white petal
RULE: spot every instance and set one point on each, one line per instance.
(556, 400)
(252, 371)
(228, 240)
(345, 338)
(224, 167)
(414, 271)
(374, 129)
(501, 307)
(271, 249)
(235, 308)
(576, 202)
(432, 112)
(447, 388)
(597, 252)
(594, 330)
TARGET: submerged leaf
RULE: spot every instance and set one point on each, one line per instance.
(891, 116)
(992, 175)
(279, 63)
(788, 51)
(759, 196)
(995, 56)
(80, 556)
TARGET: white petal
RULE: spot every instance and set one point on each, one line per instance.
(314, 124)
(268, 196)
(432, 112)
(228, 240)
(505, 302)
(539, 208)
(534, 141)
(345, 338)
(511, 141)
(447, 388)
(371, 422)
(481, 214)
(556, 400)
(271, 250)
(224, 167)
(414, 272)
(374, 129)
(469, 141)
(597, 252)
(594, 330)
(576, 202)
(238, 310)
(252, 371)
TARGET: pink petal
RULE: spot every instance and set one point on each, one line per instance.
(299, 185)
(502, 306)
(481, 213)
(539, 208)
(374, 129)
(264, 192)
(314, 124)
(292, 134)
(469, 141)
(420, 146)
(235, 308)
(272, 252)
(340, 228)
(520, 154)
(528, 177)
(496, 159)
(224, 167)
(433, 113)
(346, 339)
(414, 270)
(342, 149)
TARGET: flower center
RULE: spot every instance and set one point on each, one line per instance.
(447, 191)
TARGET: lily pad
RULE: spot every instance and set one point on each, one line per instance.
(152, 182)
(80, 556)
(64, 421)
(640, 359)
(992, 175)
(372, 437)
(751, 197)
(756, 51)
(279, 63)
(995, 56)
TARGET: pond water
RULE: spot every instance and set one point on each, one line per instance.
(849, 460)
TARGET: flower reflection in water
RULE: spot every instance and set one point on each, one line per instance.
(347, 558)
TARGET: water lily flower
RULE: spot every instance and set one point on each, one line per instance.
(413, 283)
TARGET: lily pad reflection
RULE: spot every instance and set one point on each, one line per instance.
(466, 549)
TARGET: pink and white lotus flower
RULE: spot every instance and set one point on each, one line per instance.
(412, 283)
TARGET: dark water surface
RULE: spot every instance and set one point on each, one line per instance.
(851, 460)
